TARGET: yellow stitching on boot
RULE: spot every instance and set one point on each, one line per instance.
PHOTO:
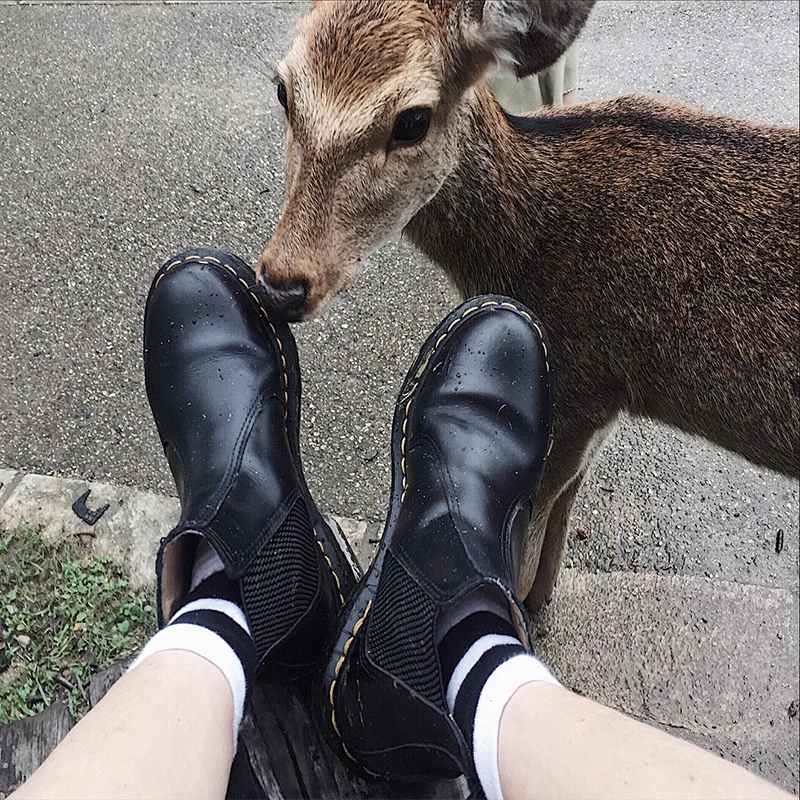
(350, 755)
(357, 626)
(286, 403)
(159, 278)
(412, 390)
(215, 260)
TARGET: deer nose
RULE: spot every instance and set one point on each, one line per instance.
(289, 301)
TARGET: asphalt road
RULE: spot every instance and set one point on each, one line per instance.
(131, 131)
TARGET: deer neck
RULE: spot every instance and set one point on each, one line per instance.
(487, 216)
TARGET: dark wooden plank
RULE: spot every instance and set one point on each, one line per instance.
(102, 681)
(24, 745)
(292, 759)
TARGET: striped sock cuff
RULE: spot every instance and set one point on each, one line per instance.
(471, 658)
(463, 637)
(217, 631)
(491, 652)
(495, 693)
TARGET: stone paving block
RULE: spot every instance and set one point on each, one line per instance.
(132, 534)
(47, 501)
(128, 531)
(8, 479)
(703, 657)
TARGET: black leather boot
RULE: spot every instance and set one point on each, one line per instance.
(224, 386)
(471, 433)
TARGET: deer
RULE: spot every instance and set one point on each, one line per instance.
(657, 242)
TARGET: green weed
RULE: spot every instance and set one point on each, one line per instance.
(64, 615)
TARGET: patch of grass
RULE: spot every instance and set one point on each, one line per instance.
(64, 615)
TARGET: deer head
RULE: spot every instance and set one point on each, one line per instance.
(375, 93)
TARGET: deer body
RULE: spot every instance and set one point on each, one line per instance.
(657, 243)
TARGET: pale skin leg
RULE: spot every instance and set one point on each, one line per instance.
(554, 743)
(569, 99)
(163, 730)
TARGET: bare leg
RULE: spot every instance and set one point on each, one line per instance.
(554, 743)
(163, 730)
(569, 99)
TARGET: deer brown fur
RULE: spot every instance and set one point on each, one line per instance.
(658, 243)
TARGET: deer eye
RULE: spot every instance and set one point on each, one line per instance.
(410, 127)
(282, 99)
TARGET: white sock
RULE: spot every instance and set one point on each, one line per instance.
(206, 564)
(501, 684)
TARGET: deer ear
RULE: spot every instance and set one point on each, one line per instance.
(527, 36)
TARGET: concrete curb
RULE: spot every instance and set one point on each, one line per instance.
(711, 661)
(128, 531)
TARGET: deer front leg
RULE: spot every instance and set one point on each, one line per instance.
(574, 449)
(553, 545)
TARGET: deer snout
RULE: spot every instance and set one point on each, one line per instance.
(302, 289)
(285, 294)
(289, 299)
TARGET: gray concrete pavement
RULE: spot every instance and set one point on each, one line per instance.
(716, 664)
(131, 131)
